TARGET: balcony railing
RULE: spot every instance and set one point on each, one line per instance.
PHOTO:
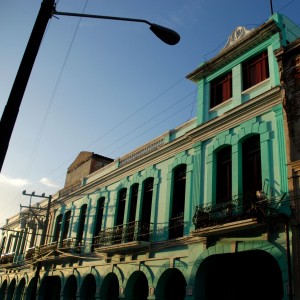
(45, 250)
(238, 209)
(70, 245)
(30, 253)
(7, 258)
(176, 226)
(134, 231)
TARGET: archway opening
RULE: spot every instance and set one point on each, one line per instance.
(137, 287)
(171, 285)
(110, 287)
(50, 288)
(31, 289)
(70, 288)
(3, 289)
(11, 290)
(245, 275)
(88, 287)
(20, 289)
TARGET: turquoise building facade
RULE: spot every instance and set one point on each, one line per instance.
(201, 212)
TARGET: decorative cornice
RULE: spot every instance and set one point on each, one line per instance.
(247, 42)
(228, 120)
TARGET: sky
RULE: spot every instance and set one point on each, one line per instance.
(106, 86)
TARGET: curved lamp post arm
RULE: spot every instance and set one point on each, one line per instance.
(47, 10)
(165, 34)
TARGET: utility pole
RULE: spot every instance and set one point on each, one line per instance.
(11, 109)
(46, 11)
(43, 238)
(32, 210)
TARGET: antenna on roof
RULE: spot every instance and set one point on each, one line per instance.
(271, 5)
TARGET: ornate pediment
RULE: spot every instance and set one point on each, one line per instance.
(236, 35)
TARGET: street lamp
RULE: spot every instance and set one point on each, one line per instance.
(46, 11)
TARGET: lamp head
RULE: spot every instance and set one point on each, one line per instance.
(167, 35)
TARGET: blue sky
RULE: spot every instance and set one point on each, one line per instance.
(106, 86)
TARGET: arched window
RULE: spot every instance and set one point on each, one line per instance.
(133, 202)
(252, 180)
(8, 246)
(3, 244)
(66, 224)
(32, 237)
(57, 228)
(82, 217)
(121, 206)
(147, 200)
(224, 175)
(178, 202)
(99, 218)
(146, 209)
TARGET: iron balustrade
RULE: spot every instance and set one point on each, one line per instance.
(125, 233)
(239, 208)
(7, 258)
(45, 250)
(176, 226)
(30, 253)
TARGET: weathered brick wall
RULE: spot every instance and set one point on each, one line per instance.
(289, 68)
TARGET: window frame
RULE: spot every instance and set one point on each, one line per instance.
(133, 202)
(58, 225)
(255, 70)
(224, 174)
(82, 218)
(251, 166)
(220, 89)
(66, 226)
(122, 195)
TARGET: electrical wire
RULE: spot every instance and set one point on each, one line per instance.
(121, 123)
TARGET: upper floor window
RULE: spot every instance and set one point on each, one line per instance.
(3, 244)
(121, 206)
(57, 228)
(224, 175)
(255, 70)
(99, 218)
(32, 238)
(133, 202)
(252, 179)
(66, 224)
(179, 191)
(220, 89)
(82, 218)
(147, 196)
(147, 200)
(178, 202)
(8, 246)
(100, 212)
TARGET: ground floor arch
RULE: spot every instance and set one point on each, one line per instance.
(137, 286)
(171, 285)
(110, 287)
(88, 287)
(31, 289)
(3, 289)
(70, 288)
(50, 288)
(20, 289)
(11, 290)
(247, 275)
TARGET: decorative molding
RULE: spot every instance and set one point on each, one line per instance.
(236, 35)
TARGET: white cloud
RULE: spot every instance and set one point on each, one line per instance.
(16, 182)
(48, 182)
